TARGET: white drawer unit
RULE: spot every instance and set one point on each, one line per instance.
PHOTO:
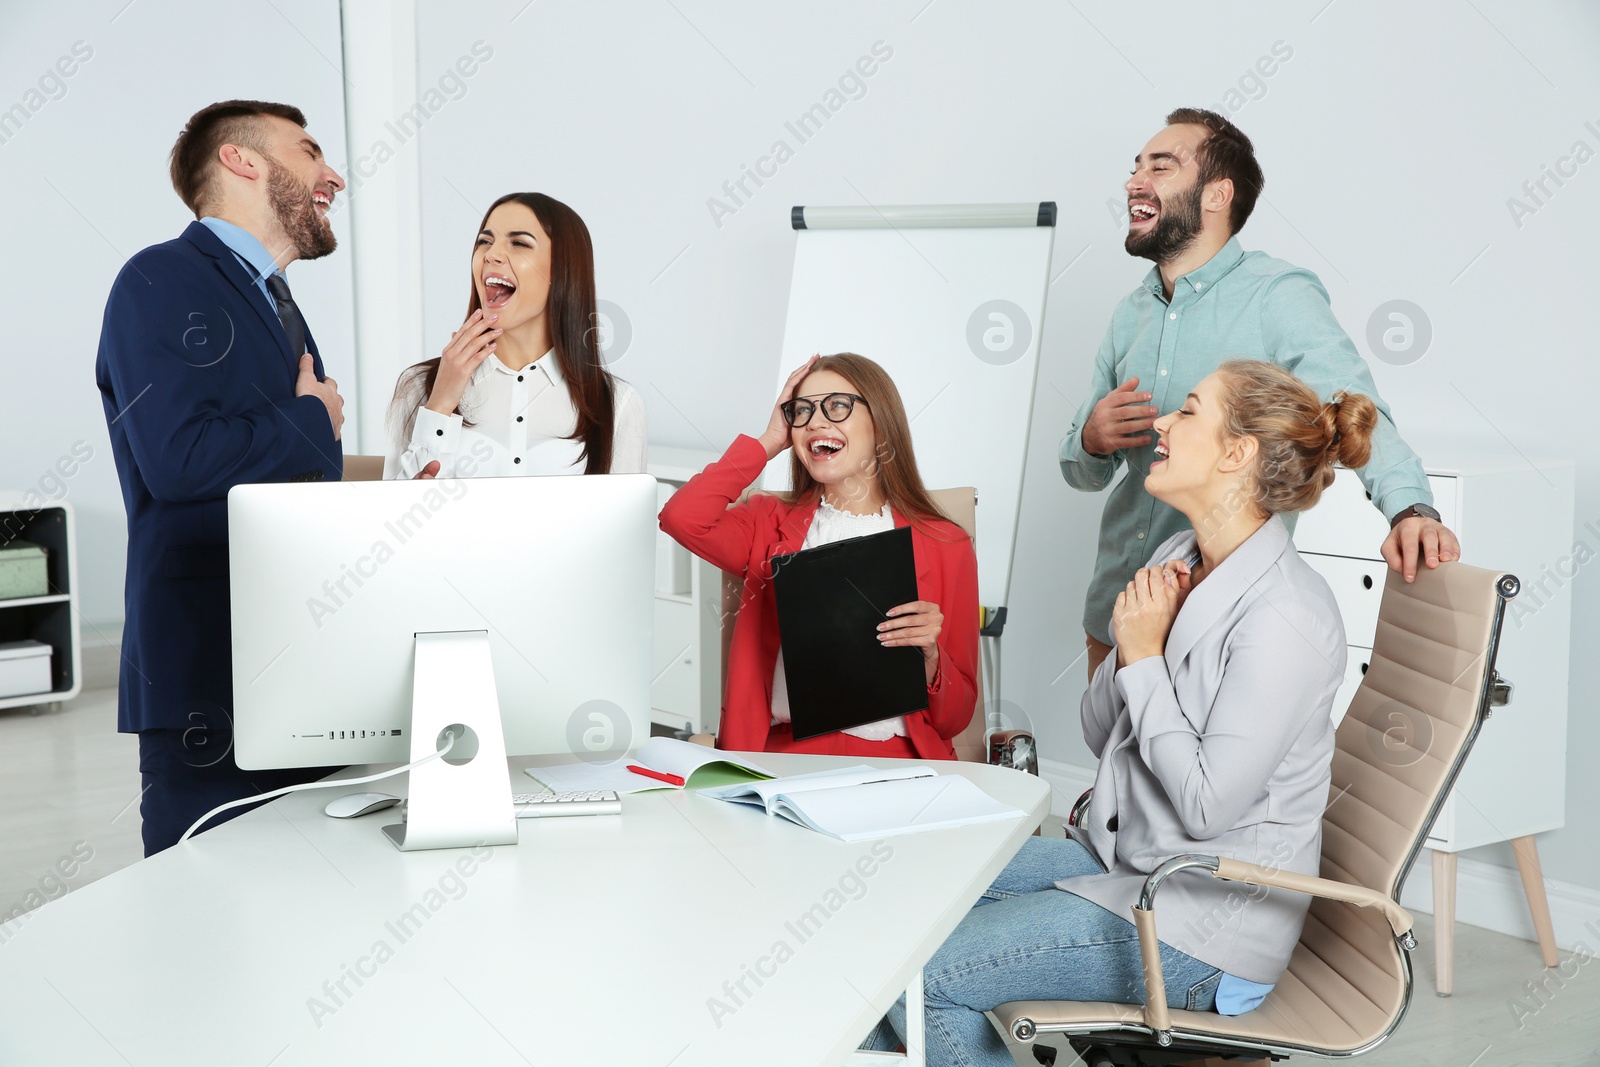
(1516, 517)
(675, 691)
(686, 691)
(1344, 522)
(1358, 585)
(1357, 660)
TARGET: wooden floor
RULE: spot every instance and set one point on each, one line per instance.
(69, 789)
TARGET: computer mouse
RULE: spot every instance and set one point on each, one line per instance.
(353, 804)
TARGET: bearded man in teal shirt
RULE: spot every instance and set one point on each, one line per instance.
(1204, 302)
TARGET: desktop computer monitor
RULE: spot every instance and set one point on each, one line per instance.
(336, 588)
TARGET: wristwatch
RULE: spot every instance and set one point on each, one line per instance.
(1422, 511)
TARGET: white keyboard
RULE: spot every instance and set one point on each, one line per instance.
(541, 805)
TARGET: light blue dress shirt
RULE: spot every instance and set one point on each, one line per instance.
(1238, 305)
(249, 251)
(1236, 995)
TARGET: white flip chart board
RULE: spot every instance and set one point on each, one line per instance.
(949, 300)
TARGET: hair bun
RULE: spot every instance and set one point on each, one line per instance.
(1299, 435)
(1354, 416)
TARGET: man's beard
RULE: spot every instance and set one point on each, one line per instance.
(297, 214)
(1175, 230)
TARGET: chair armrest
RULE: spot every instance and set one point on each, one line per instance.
(1399, 918)
(1156, 1015)
(1015, 749)
(1080, 808)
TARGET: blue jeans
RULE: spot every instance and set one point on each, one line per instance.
(1027, 940)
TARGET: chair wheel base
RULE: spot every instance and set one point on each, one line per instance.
(1118, 1055)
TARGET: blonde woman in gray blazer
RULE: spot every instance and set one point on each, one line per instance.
(1210, 719)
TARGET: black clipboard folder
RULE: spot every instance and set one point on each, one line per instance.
(830, 602)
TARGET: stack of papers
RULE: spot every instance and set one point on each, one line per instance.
(860, 803)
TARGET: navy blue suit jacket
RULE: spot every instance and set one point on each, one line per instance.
(198, 384)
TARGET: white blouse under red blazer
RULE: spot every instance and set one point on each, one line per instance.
(743, 539)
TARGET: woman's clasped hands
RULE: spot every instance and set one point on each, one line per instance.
(1145, 610)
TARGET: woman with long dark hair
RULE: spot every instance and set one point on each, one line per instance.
(521, 387)
(853, 473)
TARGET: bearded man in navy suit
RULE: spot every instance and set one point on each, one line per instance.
(210, 379)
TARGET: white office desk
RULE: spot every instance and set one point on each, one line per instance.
(594, 941)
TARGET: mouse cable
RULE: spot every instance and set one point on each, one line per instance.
(449, 743)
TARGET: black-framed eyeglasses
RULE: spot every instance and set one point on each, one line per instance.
(836, 407)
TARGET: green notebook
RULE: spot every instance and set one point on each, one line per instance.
(702, 767)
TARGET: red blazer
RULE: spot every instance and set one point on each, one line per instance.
(742, 541)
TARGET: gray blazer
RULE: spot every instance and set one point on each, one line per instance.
(1222, 747)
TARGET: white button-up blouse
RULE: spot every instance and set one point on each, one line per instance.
(520, 421)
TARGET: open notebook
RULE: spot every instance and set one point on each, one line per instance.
(698, 765)
(860, 803)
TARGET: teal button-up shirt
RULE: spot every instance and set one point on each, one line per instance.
(1239, 305)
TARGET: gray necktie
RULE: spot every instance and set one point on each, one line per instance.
(294, 327)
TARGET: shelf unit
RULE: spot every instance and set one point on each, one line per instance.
(52, 618)
(686, 665)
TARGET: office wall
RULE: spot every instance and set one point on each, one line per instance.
(83, 181)
(1394, 138)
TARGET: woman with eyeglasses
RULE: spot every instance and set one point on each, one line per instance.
(521, 388)
(853, 474)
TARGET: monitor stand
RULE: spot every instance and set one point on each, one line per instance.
(463, 799)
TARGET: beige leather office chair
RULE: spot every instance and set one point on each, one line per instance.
(1430, 686)
(1006, 748)
(363, 468)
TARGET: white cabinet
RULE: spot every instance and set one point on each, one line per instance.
(1358, 584)
(1514, 517)
(53, 618)
(686, 691)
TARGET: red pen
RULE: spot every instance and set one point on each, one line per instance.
(670, 779)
